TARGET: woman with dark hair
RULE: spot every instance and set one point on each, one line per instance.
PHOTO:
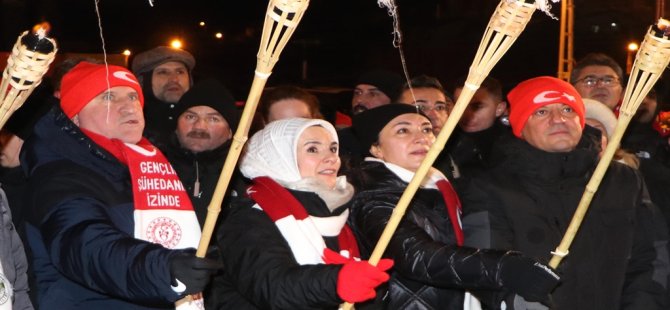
(288, 245)
(284, 102)
(432, 269)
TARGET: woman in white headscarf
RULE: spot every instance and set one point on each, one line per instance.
(288, 246)
(601, 117)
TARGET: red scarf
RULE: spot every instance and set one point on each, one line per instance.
(297, 227)
(163, 211)
(454, 208)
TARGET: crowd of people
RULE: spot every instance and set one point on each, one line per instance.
(109, 177)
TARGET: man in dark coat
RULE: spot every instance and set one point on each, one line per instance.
(206, 120)
(109, 221)
(652, 150)
(165, 74)
(480, 126)
(527, 199)
(373, 89)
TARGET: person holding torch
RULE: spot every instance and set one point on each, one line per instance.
(432, 269)
(526, 200)
(110, 223)
(288, 245)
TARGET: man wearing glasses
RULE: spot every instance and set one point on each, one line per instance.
(599, 77)
(429, 96)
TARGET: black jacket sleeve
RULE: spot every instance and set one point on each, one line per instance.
(261, 268)
(419, 257)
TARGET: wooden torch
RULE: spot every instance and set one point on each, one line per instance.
(507, 22)
(651, 60)
(29, 61)
(281, 19)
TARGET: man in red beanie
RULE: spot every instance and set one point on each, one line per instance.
(547, 113)
(618, 259)
(110, 223)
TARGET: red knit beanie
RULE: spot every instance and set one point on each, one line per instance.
(86, 80)
(535, 93)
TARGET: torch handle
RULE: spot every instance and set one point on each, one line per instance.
(239, 139)
(591, 188)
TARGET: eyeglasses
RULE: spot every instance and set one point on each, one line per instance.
(438, 107)
(606, 81)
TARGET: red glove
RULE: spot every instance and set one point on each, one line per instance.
(357, 280)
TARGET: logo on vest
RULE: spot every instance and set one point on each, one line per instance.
(551, 96)
(5, 290)
(164, 231)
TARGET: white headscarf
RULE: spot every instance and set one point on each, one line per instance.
(602, 113)
(271, 152)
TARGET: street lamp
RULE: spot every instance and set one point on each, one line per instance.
(126, 53)
(176, 43)
(632, 48)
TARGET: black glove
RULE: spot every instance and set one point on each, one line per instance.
(527, 277)
(193, 272)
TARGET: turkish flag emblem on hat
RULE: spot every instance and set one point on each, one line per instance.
(535, 93)
(86, 80)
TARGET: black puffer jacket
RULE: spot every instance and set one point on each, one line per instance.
(430, 271)
(526, 202)
(261, 271)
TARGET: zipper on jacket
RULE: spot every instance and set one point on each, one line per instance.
(196, 185)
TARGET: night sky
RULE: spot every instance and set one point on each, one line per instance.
(335, 41)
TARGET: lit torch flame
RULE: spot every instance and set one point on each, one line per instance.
(37, 40)
(42, 29)
(663, 25)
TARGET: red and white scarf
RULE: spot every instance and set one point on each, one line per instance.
(163, 211)
(303, 232)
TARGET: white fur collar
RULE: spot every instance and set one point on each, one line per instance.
(333, 197)
(430, 181)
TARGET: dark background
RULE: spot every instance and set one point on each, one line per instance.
(335, 41)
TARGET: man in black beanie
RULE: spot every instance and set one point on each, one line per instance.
(375, 88)
(206, 119)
